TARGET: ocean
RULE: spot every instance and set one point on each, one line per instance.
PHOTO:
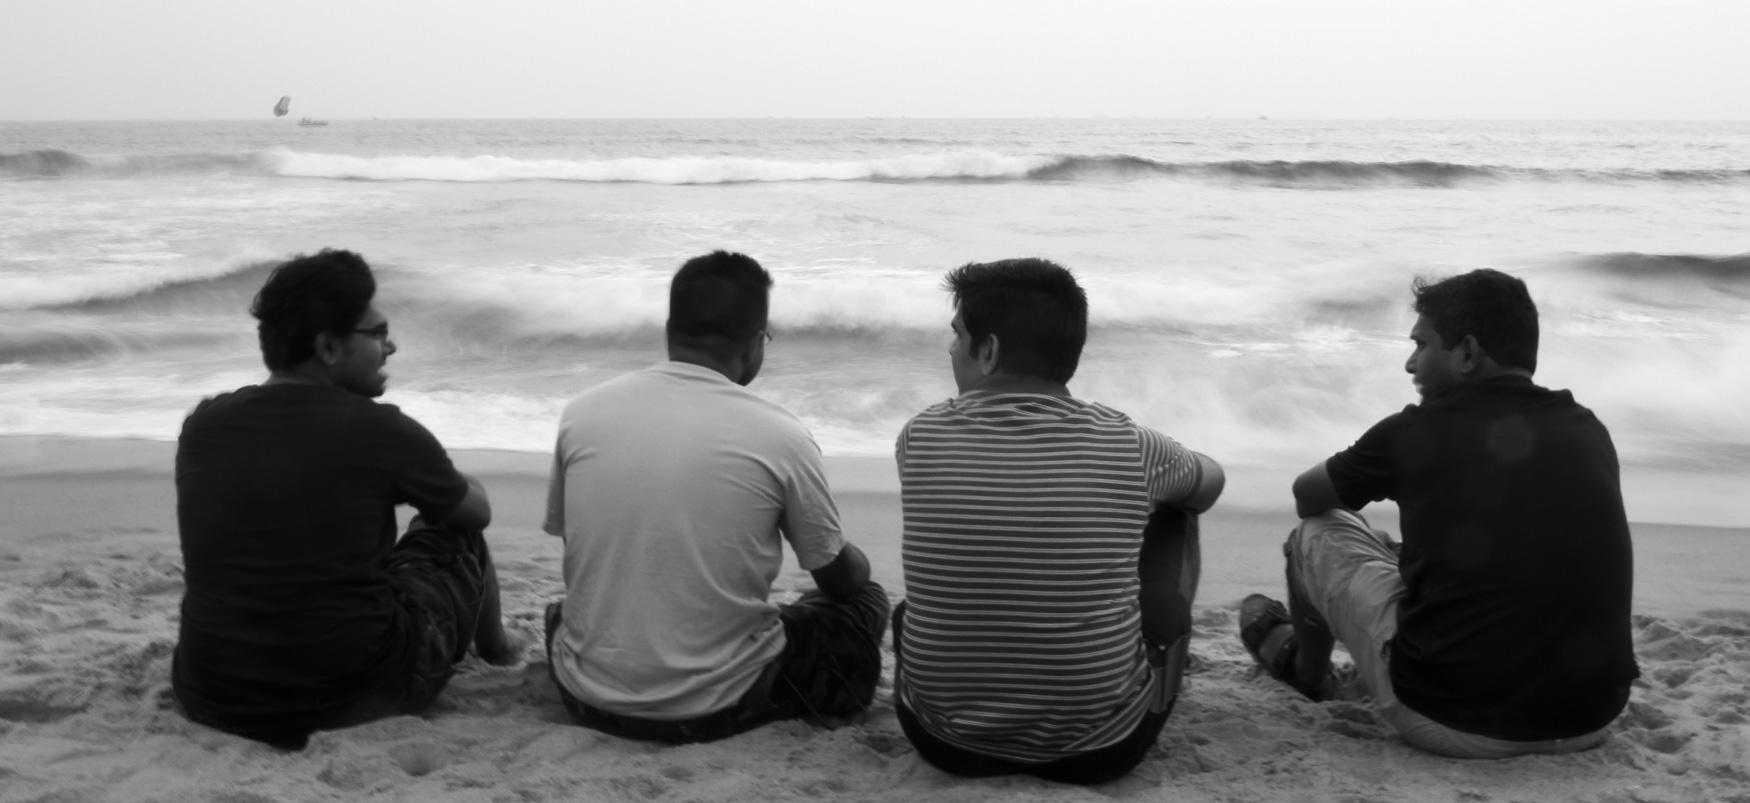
(1249, 280)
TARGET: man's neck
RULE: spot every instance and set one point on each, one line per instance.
(1493, 370)
(304, 374)
(704, 359)
(1021, 383)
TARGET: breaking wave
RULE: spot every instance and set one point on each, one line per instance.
(944, 166)
(51, 163)
(1734, 268)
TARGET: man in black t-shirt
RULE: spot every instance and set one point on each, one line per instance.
(302, 611)
(1501, 625)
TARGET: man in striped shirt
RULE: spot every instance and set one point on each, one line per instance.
(1050, 549)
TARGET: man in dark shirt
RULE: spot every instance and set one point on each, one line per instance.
(1503, 626)
(302, 611)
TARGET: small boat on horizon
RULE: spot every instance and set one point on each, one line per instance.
(308, 121)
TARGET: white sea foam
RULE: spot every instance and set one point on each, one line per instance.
(666, 170)
(1257, 318)
(34, 282)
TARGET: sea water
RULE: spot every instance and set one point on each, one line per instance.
(1249, 281)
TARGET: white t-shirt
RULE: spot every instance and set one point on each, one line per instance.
(671, 487)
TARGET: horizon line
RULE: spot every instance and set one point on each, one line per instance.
(775, 118)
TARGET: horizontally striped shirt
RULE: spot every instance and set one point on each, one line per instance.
(1023, 523)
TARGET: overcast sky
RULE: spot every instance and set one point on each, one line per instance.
(190, 59)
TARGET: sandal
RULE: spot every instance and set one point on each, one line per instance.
(1259, 617)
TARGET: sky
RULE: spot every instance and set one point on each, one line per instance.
(1454, 59)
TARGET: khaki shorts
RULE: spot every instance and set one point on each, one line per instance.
(1346, 576)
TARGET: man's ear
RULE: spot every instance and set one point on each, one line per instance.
(1470, 355)
(327, 348)
(985, 354)
(752, 347)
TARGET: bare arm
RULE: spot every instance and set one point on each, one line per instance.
(1314, 493)
(1211, 480)
(845, 575)
(475, 511)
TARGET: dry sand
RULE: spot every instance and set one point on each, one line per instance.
(90, 580)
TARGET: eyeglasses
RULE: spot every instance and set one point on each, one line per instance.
(767, 334)
(380, 331)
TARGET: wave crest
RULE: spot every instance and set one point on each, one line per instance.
(53, 163)
(47, 163)
(940, 166)
(165, 287)
(1729, 268)
(961, 165)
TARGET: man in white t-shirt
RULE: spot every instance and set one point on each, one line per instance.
(675, 489)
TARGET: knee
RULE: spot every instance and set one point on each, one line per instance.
(1321, 528)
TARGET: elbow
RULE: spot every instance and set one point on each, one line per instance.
(846, 575)
(1313, 494)
(1303, 504)
(1209, 485)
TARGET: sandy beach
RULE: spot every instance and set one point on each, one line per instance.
(90, 581)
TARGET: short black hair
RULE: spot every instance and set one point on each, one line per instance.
(718, 301)
(1486, 304)
(1034, 307)
(308, 295)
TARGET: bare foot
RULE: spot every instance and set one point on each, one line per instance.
(506, 650)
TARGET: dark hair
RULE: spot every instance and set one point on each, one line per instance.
(308, 295)
(1034, 307)
(1486, 304)
(718, 301)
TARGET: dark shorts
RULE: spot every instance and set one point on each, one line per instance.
(1093, 767)
(828, 670)
(435, 577)
(436, 574)
(1169, 569)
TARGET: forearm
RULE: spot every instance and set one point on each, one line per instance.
(474, 512)
(847, 574)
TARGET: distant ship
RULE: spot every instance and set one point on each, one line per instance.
(285, 105)
(307, 121)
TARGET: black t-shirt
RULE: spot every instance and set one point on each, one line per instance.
(1516, 559)
(285, 501)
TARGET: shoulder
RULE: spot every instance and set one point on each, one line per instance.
(1399, 419)
(388, 415)
(935, 412)
(213, 405)
(775, 419)
(1101, 414)
(1108, 423)
(630, 382)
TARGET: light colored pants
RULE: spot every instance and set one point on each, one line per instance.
(1347, 575)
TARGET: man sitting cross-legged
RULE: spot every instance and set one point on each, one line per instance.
(303, 611)
(675, 489)
(1502, 628)
(1050, 549)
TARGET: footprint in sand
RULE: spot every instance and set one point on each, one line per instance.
(418, 759)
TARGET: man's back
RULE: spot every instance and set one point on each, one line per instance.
(285, 504)
(1516, 558)
(671, 485)
(1023, 521)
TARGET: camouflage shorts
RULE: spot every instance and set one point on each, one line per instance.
(832, 655)
(437, 577)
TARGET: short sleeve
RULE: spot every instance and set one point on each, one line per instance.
(554, 524)
(424, 477)
(1367, 470)
(810, 521)
(1173, 471)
